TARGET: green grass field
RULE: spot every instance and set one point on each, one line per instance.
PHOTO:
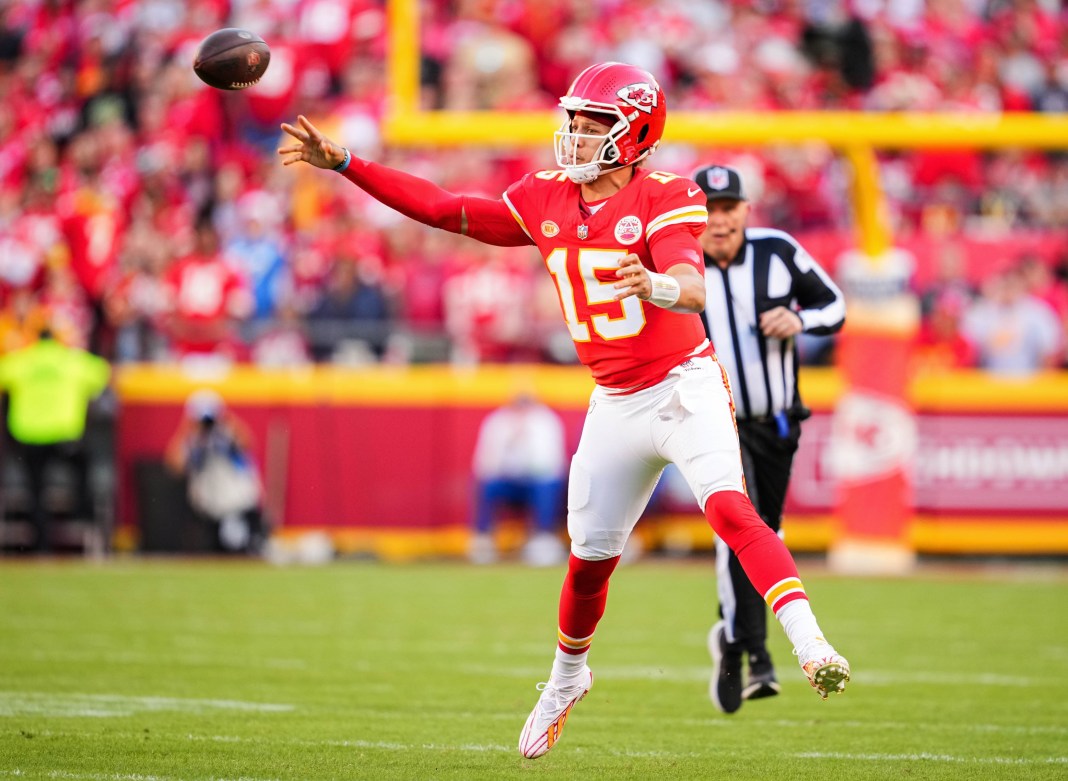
(146, 670)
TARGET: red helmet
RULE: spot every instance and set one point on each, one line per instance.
(634, 107)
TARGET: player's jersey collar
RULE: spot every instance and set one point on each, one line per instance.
(601, 203)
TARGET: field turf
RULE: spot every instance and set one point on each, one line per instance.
(159, 669)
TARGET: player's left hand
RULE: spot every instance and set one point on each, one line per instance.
(633, 279)
(313, 146)
(780, 323)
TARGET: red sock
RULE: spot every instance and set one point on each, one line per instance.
(764, 557)
(582, 601)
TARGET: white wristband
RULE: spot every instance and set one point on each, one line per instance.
(666, 290)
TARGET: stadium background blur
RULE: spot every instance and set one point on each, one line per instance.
(112, 153)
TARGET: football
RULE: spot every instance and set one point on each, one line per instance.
(231, 59)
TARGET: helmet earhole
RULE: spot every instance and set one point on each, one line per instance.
(643, 133)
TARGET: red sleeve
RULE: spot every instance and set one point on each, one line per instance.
(675, 245)
(484, 219)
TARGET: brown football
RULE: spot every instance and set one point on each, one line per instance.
(231, 59)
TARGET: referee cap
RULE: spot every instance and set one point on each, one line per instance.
(719, 182)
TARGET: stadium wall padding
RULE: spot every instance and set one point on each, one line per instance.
(384, 448)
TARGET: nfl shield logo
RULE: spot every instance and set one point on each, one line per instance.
(583, 231)
(718, 178)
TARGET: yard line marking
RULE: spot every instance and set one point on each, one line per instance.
(887, 678)
(379, 744)
(925, 757)
(113, 705)
(18, 772)
(863, 677)
(155, 660)
(1015, 729)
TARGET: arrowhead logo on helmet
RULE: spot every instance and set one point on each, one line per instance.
(642, 96)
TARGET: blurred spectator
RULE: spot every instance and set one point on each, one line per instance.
(1013, 332)
(950, 281)
(354, 312)
(487, 307)
(66, 307)
(136, 302)
(284, 342)
(256, 251)
(940, 345)
(1049, 284)
(212, 450)
(49, 388)
(207, 298)
(520, 461)
(489, 66)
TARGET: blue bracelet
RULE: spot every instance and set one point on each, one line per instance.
(340, 167)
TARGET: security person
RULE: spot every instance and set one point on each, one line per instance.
(50, 386)
(763, 289)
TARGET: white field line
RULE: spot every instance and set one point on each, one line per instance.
(881, 678)
(114, 705)
(470, 747)
(174, 660)
(63, 774)
(924, 757)
(384, 745)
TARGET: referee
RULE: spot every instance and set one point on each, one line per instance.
(762, 289)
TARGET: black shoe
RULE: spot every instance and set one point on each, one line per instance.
(762, 681)
(725, 686)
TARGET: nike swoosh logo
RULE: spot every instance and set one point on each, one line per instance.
(693, 192)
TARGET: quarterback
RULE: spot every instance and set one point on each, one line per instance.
(620, 243)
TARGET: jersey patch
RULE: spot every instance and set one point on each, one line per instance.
(628, 229)
(549, 229)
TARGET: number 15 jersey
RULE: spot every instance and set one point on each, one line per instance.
(630, 344)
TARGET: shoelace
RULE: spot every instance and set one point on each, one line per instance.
(558, 692)
(814, 648)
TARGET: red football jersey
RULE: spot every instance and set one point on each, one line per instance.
(629, 344)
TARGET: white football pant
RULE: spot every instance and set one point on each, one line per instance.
(627, 440)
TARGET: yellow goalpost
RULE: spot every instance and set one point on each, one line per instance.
(855, 135)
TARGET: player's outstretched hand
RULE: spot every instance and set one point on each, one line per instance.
(313, 146)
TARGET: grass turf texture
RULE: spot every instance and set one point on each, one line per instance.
(159, 669)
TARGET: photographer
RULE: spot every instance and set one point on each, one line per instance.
(212, 449)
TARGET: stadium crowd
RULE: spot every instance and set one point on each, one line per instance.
(145, 215)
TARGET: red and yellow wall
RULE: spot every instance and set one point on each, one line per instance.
(379, 458)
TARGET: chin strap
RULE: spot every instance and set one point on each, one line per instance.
(583, 174)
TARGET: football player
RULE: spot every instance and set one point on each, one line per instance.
(620, 243)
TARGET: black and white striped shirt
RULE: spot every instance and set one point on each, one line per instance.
(770, 270)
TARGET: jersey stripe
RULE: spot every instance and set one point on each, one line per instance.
(698, 214)
(515, 213)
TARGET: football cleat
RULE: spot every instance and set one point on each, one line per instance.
(826, 670)
(725, 685)
(762, 681)
(760, 685)
(545, 724)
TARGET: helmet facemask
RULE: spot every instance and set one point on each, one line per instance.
(607, 154)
